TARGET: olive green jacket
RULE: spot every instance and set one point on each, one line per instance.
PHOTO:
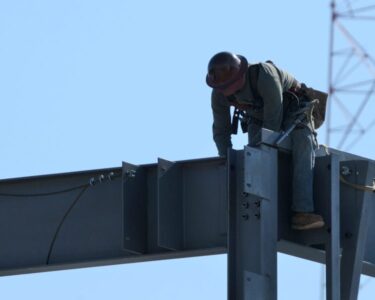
(272, 82)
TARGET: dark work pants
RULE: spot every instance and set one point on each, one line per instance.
(303, 159)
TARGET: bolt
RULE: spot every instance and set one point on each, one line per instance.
(248, 153)
(244, 194)
(345, 171)
(248, 184)
(110, 176)
(92, 181)
(348, 235)
(245, 217)
(101, 178)
(257, 215)
(245, 205)
(131, 173)
(257, 203)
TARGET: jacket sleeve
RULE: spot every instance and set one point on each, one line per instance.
(221, 127)
(271, 90)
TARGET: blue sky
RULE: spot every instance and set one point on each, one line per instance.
(89, 84)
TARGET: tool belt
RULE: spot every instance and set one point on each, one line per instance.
(301, 92)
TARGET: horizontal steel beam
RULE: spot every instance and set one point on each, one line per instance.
(47, 224)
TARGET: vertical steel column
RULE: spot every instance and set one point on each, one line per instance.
(252, 245)
(356, 212)
(327, 198)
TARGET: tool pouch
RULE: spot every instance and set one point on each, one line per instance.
(239, 116)
(319, 112)
(235, 120)
(244, 126)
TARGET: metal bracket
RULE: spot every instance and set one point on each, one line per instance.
(357, 215)
(134, 193)
(170, 205)
(259, 163)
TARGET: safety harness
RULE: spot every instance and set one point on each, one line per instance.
(317, 99)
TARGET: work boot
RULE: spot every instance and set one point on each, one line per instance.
(305, 221)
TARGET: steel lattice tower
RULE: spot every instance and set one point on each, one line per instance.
(351, 108)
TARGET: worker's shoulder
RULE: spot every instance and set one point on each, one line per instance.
(268, 67)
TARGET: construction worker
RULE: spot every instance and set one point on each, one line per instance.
(259, 91)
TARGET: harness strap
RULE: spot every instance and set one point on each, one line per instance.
(239, 111)
(254, 74)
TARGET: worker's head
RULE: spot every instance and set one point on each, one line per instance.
(226, 72)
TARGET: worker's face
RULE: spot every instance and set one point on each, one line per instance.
(234, 87)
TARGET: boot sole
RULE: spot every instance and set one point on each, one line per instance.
(316, 225)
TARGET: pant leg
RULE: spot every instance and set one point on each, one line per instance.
(303, 156)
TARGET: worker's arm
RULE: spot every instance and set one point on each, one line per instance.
(221, 127)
